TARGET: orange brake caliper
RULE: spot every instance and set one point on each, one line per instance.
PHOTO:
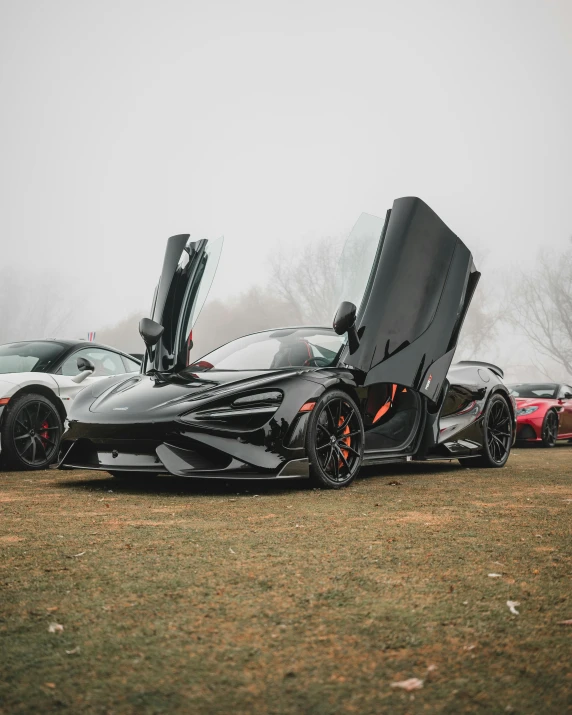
(347, 441)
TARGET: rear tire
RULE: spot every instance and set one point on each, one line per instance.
(550, 429)
(334, 440)
(31, 433)
(497, 435)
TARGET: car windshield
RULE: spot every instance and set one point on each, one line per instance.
(33, 356)
(274, 350)
(547, 390)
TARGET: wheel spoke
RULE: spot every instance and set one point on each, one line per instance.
(351, 449)
(42, 446)
(22, 436)
(321, 426)
(324, 446)
(344, 460)
(352, 434)
(344, 424)
(27, 447)
(329, 459)
(330, 418)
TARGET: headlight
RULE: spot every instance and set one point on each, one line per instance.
(259, 398)
(526, 411)
(248, 411)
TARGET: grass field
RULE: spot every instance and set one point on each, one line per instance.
(200, 597)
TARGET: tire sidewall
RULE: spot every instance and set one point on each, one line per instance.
(490, 461)
(10, 457)
(317, 474)
(547, 416)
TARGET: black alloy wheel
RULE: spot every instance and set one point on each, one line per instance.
(334, 440)
(31, 433)
(497, 435)
(550, 429)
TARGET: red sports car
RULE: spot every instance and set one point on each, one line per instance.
(544, 412)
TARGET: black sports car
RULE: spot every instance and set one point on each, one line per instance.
(308, 401)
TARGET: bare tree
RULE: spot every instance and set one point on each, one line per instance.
(542, 307)
(304, 280)
(480, 327)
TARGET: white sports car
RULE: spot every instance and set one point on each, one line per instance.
(38, 381)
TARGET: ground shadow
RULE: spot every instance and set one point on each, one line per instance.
(185, 486)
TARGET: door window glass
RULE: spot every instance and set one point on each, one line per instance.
(105, 362)
(130, 365)
(357, 259)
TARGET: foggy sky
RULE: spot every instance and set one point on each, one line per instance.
(122, 123)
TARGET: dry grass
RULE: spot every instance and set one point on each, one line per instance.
(196, 597)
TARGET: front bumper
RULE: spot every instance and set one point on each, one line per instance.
(173, 449)
(528, 429)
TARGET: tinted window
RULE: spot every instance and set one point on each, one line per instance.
(546, 390)
(275, 349)
(564, 390)
(105, 362)
(33, 356)
(130, 365)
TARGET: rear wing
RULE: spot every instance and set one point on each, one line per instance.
(479, 363)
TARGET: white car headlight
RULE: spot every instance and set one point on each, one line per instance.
(526, 411)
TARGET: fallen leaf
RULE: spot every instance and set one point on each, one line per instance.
(394, 483)
(50, 685)
(231, 551)
(495, 575)
(55, 628)
(409, 684)
(565, 623)
(512, 607)
(73, 651)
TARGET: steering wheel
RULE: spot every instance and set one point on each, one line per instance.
(317, 362)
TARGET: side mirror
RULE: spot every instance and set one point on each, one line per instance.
(345, 322)
(85, 364)
(568, 395)
(150, 331)
(85, 367)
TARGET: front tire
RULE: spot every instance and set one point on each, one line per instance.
(497, 435)
(550, 429)
(334, 440)
(31, 433)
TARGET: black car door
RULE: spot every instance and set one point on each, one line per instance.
(188, 271)
(412, 305)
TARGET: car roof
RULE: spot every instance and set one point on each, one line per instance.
(72, 343)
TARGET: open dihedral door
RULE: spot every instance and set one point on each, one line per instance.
(188, 272)
(412, 306)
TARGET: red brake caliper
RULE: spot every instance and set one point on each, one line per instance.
(44, 434)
